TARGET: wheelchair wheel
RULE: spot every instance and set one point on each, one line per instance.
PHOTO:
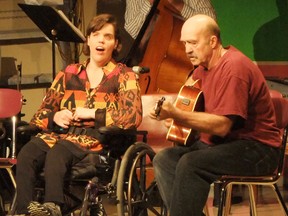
(137, 194)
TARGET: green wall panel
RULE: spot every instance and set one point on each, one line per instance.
(259, 28)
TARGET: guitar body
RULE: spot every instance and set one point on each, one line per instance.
(190, 98)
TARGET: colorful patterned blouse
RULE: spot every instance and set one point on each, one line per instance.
(117, 100)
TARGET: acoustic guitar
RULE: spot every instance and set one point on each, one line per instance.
(190, 98)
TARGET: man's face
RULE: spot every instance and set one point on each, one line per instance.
(197, 45)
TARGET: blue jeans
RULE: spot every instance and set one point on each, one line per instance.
(184, 174)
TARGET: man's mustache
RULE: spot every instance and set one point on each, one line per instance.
(191, 56)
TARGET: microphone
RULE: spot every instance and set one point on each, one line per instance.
(140, 70)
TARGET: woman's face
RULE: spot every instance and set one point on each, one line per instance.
(101, 44)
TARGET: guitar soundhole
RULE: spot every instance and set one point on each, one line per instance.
(185, 102)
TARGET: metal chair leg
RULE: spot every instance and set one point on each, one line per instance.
(10, 172)
(228, 197)
(252, 200)
(206, 210)
(222, 199)
(280, 199)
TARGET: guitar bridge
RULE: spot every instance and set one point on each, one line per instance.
(185, 101)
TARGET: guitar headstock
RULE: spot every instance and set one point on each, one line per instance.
(158, 106)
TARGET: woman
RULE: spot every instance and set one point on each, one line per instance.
(81, 99)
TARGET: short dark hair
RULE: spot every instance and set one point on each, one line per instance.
(96, 24)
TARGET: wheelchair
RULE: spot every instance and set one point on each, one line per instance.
(124, 175)
(120, 175)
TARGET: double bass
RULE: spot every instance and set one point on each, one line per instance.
(164, 53)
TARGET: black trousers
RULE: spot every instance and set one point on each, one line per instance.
(35, 156)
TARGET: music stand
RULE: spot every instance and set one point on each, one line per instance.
(54, 24)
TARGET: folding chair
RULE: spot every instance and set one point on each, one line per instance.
(11, 104)
(226, 181)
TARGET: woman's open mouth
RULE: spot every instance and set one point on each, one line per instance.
(99, 48)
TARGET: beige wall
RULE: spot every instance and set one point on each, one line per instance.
(36, 58)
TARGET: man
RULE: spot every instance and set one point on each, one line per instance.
(238, 135)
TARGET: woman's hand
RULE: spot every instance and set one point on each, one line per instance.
(83, 113)
(63, 118)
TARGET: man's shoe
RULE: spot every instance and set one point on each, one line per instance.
(46, 209)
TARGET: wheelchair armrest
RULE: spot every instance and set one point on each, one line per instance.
(116, 140)
(144, 134)
(28, 130)
(114, 130)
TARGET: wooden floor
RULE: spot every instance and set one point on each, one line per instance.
(267, 203)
